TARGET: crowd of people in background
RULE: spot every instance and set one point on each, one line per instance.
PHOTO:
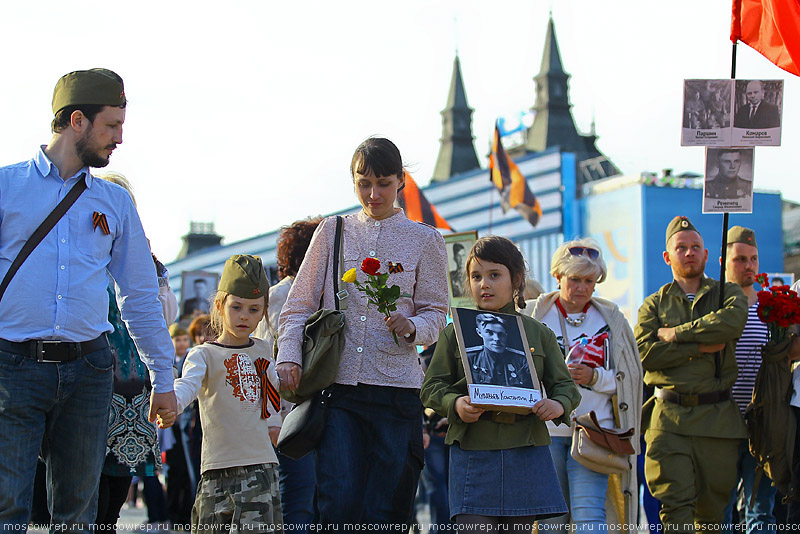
(90, 382)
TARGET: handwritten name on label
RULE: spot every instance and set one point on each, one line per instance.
(502, 395)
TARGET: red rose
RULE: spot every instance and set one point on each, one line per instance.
(371, 266)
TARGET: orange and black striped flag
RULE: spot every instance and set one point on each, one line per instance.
(417, 207)
(514, 190)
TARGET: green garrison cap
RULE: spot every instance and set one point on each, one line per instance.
(244, 277)
(679, 224)
(740, 234)
(176, 330)
(100, 87)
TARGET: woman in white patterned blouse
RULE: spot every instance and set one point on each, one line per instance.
(371, 454)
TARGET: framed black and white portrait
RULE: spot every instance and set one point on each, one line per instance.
(458, 247)
(497, 361)
(196, 290)
(706, 119)
(758, 113)
(728, 184)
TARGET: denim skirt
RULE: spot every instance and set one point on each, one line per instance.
(510, 482)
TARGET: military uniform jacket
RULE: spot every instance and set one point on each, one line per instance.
(509, 369)
(680, 367)
(736, 188)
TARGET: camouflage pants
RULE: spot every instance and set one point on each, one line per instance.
(245, 499)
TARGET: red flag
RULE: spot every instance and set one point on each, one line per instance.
(417, 207)
(514, 191)
(772, 28)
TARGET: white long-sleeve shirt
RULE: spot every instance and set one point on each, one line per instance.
(225, 382)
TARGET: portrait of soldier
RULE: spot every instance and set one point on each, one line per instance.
(727, 183)
(457, 274)
(199, 302)
(495, 362)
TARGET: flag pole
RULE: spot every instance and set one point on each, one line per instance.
(724, 251)
(724, 248)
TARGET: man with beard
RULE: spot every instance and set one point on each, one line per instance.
(741, 267)
(55, 364)
(692, 425)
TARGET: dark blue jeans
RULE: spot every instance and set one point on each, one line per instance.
(760, 518)
(434, 478)
(370, 457)
(62, 407)
(298, 482)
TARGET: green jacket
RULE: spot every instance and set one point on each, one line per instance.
(445, 382)
(681, 367)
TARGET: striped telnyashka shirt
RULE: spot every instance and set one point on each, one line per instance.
(748, 357)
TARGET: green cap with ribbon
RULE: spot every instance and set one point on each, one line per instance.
(244, 277)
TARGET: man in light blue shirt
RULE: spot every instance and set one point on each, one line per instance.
(56, 370)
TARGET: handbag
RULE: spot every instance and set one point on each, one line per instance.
(303, 427)
(323, 337)
(602, 450)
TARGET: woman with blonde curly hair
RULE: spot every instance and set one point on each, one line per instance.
(608, 375)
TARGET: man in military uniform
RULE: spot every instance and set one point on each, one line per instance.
(495, 362)
(457, 274)
(727, 184)
(692, 425)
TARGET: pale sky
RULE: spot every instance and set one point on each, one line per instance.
(246, 113)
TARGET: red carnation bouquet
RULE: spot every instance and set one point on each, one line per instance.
(778, 308)
(377, 292)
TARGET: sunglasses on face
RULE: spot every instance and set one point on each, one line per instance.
(593, 253)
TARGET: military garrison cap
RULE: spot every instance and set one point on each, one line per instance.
(679, 224)
(176, 330)
(740, 234)
(100, 87)
(244, 277)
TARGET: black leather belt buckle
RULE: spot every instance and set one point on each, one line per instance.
(50, 351)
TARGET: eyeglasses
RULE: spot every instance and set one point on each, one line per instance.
(593, 253)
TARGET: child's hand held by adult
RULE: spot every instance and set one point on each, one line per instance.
(162, 403)
(166, 418)
(466, 411)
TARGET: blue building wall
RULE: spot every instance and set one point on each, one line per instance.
(629, 220)
(661, 204)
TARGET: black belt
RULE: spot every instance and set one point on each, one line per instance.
(697, 399)
(44, 350)
(501, 417)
